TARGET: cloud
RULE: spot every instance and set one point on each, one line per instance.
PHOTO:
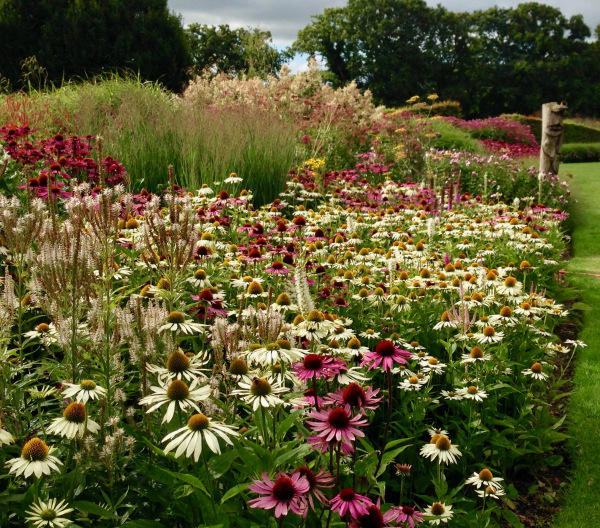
(284, 18)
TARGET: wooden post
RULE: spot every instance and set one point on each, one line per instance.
(552, 137)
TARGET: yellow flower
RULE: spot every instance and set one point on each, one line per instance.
(433, 97)
(413, 99)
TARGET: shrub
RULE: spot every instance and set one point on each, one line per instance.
(580, 152)
(573, 132)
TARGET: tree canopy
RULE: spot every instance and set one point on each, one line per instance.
(76, 38)
(492, 61)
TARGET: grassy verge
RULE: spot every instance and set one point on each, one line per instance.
(582, 502)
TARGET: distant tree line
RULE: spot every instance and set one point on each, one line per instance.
(77, 39)
(493, 61)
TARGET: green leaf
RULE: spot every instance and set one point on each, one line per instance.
(388, 456)
(189, 479)
(554, 460)
(94, 509)
(512, 519)
(220, 464)
(581, 306)
(232, 492)
(143, 523)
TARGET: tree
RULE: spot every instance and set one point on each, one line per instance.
(234, 51)
(78, 38)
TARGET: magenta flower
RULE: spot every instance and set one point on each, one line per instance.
(315, 482)
(348, 501)
(374, 518)
(317, 366)
(337, 424)
(354, 396)
(283, 494)
(277, 268)
(386, 353)
(407, 514)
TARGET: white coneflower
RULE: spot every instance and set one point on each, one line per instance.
(441, 447)
(5, 436)
(275, 353)
(433, 365)
(199, 279)
(434, 431)
(177, 322)
(489, 335)
(260, 392)
(510, 287)
(35, 459)
(452, 395)
(84, 391)
(472, 393)
(489, 491)
(414, 383)
(445, 322)
(485, 478)
(315, 327)
(476, 354)
(536, 371)
(177, 394)
(73, 423)
(440, 510)
(575, 343)
(49, 514)
(180, 366)
(199, 429)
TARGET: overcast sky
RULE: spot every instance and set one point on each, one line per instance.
(283, 18)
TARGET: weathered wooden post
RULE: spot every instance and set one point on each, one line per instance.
(552, 136)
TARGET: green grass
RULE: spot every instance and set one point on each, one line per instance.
(582, 502)
(147, 129)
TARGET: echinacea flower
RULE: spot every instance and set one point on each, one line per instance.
(286, 493)
(355, 396)
(177, 322)
(49, 514)
(5, 436)
(348, 501)
(489, 491)
(316, 366)
(374, 518)
(441, 448)
(199, 429)
(337, 424)
(35, 459)
(73, 423)
(440, 510)
(84, 391)
(316, 481)
(535, 371)
(485, 478)
(489, 335)
(385, 355)
(260, 392)
(472, 393)
(177, 394)
(408, 515)
(180, 366)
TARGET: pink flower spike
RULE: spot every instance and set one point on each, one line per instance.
(286, 493)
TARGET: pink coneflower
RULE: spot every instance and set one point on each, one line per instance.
(386, 353)
(348, 501)
(340, 302)
(317, 366)
(277, 268)
(315, 482)
(337, 424)
(374, 518)
(355, 396)
(407, 514)
(283, 494)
